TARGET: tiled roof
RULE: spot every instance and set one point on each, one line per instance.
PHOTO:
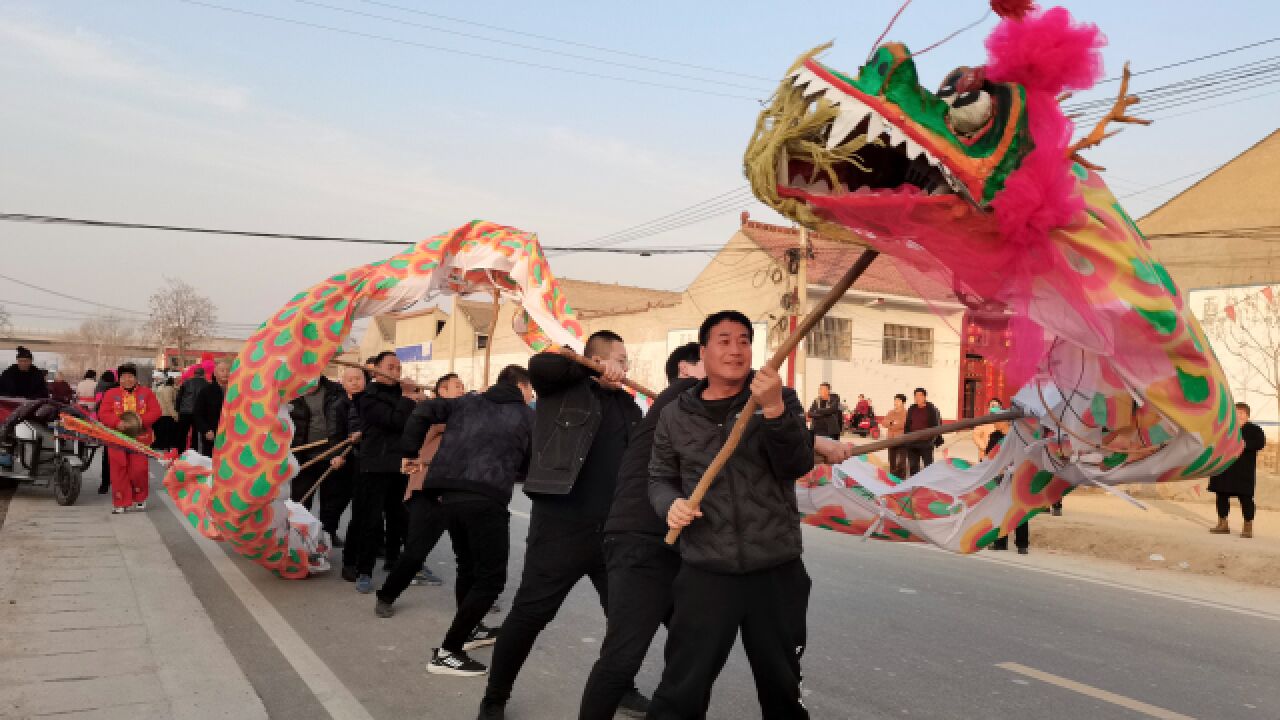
(594, 298)
(479, 314)
(831, 258)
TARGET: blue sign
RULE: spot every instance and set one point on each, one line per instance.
(414, 353)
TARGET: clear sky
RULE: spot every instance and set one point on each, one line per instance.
(164, 111)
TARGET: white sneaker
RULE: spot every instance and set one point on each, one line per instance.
(444, 662)
(140, 505)
(117, 511)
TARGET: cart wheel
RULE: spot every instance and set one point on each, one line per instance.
(66, 482)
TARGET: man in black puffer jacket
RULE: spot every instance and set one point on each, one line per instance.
(384, 408)
(741, 560)
(313, 414)
(483, 453)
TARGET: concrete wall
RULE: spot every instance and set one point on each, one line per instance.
(1246, 384)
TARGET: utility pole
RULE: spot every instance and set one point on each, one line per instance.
(453, 334)
(802, 308)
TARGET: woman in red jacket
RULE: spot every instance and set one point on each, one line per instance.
(129, 472)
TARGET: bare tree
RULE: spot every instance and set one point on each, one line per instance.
(180, 316)
(1248, 328)
(99, 343)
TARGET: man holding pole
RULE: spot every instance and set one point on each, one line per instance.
(741, 566)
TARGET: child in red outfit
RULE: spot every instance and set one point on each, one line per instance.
(129, 472)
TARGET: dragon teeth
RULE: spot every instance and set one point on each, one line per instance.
(851, 113)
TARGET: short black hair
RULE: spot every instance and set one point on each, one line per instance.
(377, 359)
(922, 391)
(599, 338)
(24, 353)
(901, 397)
(444, 379)
(108, 376)
(128, 368)
(689, 353)
(1244, 406)
(371, 360)
(514, 375)
(90, 374)
(714, 319)
(169, 381)
(827, 385)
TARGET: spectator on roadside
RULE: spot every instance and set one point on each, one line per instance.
(106, 382)
(895, 422)
(481, 456)
(741, 569)
(1240, 479)
(188, 392)
(981, 435)
(863, 406)
(166, 428)
(825, 413)
(23, 379)
(85, 390)
(383, 407)
(995, 437)
(921, 415)
(208, 407)
(60, 389)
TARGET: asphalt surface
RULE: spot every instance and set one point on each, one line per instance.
(894, 631)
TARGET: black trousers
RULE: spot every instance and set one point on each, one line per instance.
(335, 495)
(1247, 506)
(186, 422)
(898, 462)
(396, 527)
(558, 553)
(306, 479)
(768, 607)
(368, 504)
(919, 457)
(166, 432)
(1021, 538)
(641, 571)
(481, 534)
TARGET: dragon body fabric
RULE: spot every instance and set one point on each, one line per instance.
(976, 193)
(239, 495)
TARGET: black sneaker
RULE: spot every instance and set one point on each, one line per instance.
(492, 710)
(444, 662)
(349, 573)
(1023, 551)
(633, 704)
(383, 609)
(482, 636)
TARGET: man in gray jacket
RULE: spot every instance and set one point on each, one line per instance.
(740, 551)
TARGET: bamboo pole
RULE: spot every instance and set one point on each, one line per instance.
(379, 373)
(493, 328)
(592, 364)
(309, 446)
(833, 296)
(325, 454)
(930, 433)
(315, 487)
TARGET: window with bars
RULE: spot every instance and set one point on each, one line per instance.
(482, 341)
(907, 345)
(831, 339)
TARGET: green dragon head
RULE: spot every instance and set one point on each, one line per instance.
(878, 140)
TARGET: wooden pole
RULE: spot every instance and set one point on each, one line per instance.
(315, 487)
(453, 335)
(588, 362)
(493, 328)
(308, 446)
(325, 454)
(833, 296)
(801, 355)
(379, 373)
(929, 433)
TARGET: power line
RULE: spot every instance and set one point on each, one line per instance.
(572, 43)
(455, 51)
(92, 302)
(532, 48)
(1192, 60)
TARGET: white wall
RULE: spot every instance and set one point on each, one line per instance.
(1246, 385)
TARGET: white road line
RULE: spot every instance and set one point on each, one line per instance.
(1260, 614)
(324, 684)
(1093, 692)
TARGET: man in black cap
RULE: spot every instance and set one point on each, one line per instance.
(23, 379)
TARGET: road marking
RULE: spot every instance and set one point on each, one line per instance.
(1261, 614)
(1093, 692)
(324, 684)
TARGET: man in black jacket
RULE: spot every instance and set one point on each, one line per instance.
(23, 379)
(921, 415)
(384, 408)
(1240, 478)
(188, 391)
(582, 427)
(482, 455)
(314, 415)
(208, 409)
(641, 567)
(741, 561)
(825, 412)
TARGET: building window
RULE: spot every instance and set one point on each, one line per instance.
(482, 341)
(439, 327)
(906, 345)
(831, 339)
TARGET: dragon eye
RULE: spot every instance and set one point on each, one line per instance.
(970, 105)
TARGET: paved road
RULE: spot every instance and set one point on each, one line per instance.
(895, 631)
